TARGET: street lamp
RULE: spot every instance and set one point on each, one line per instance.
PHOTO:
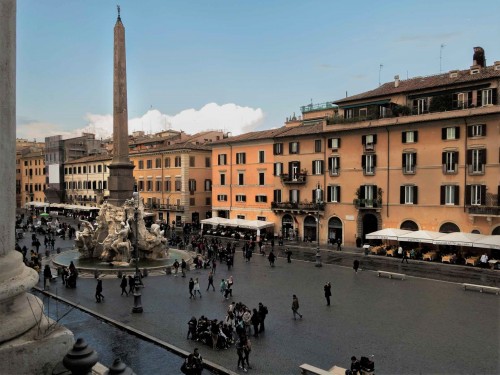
(138, 283)
(318, 203)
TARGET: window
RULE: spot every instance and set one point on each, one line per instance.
(178, 185)
(192, 185)
(278, 149)
(84, 169)
(475, 195)
(317, 145)
(222, 159)
(317, 167)
(192, 161)
(223, 179)
(167, 162)
(410, 136)
(261, 218)
(317, 195)
(334, 165)
(168, 185)
(149, 164)
(409, 162)
(476, 159)
(408, 194)
(242, 217)
(294, 195)
(363, 112)
(158, 163)
(348, 113)
(368, 196)
(149, 185)
(141, 185)
(277, 196)
(222, 198)
(241, 178)
(334, 143)
(261, 178)
(449, 195)
(368, 163)
(208, 163)
(208, 201)
(485, 97)
(261, 198)
(99, 168)
(178, 161)
(476, 130)
(369, 142)
(208, 185)
(293, 147)
(141, 164)
(240, 158)
(192, 201)
(278, 169)
(449, 160)
(241, 198)
(450, 133)
(158, 185)
(333, 194)
(261, 156)
(421, 106)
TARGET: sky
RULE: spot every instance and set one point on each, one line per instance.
(233, 65)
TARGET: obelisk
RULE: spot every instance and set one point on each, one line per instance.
(121, 179)
(30, 343)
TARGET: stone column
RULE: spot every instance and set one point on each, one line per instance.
(28, 344)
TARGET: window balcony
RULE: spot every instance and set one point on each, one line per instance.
(171, 207)
(369, 171)
(483, 210)
(335, 172)
(450, 169)
(409, 169)
(475, 170)
(297, 179)
(362, 204)
(298, 207)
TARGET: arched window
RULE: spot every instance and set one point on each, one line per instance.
(409, 225)
(449, 228)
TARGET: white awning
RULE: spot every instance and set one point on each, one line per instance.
(458, 239)
(425, 236)
(488, 242)
(387, 234)
(241, 223)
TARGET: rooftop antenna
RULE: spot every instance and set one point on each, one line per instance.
(441, 57)
(379, 71)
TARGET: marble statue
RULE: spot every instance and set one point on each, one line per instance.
(84, 240)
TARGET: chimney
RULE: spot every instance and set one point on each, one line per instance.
(479, 58)
(496, 64)
(396, 81)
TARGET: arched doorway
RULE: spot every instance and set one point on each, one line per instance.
(409, 225)
(476, 231)
(449, 228)
(310, 228)
(287, 226)
(334, 230)
(496, 231)
(370, 224)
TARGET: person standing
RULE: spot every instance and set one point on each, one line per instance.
(271, 258)
(339, 244)
(47, 276)
(295, 307)
(183, 267)
(98, 291)
(355, 265)
(198, 360)
(288, 255)
(255, 319)
(131, 284)
(239, 351)
(191, 287)
(223, 286)
(230, 283)
(123, 285)
(262, 316)
(196, 287)
(247, 348)
(211, 281)
(176, 267)
(214, 265)
(328, 292)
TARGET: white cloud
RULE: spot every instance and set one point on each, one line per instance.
(228, 117)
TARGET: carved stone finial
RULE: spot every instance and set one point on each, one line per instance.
(118, 7)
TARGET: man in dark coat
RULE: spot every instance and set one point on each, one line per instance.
(328, 292)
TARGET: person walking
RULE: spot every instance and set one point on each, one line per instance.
(328, 292)
(123, 285)
(262, 316)
(255, 319)
(230, 283)
(271, 257)
(295, 307)
(98, 291)
(339, 244)
(239, 351)
(183, 267)
(196, 287)
(214, 265)
(191, 287)
(131, 284)
(288, 253)
(355, 265)
(211, 281)
(247, 348)
(405, 256)
(47, 276)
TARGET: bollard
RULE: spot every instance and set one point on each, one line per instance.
(119, 368)
(318, 259)
(81, 358)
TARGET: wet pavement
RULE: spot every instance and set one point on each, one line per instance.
(416, 326)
